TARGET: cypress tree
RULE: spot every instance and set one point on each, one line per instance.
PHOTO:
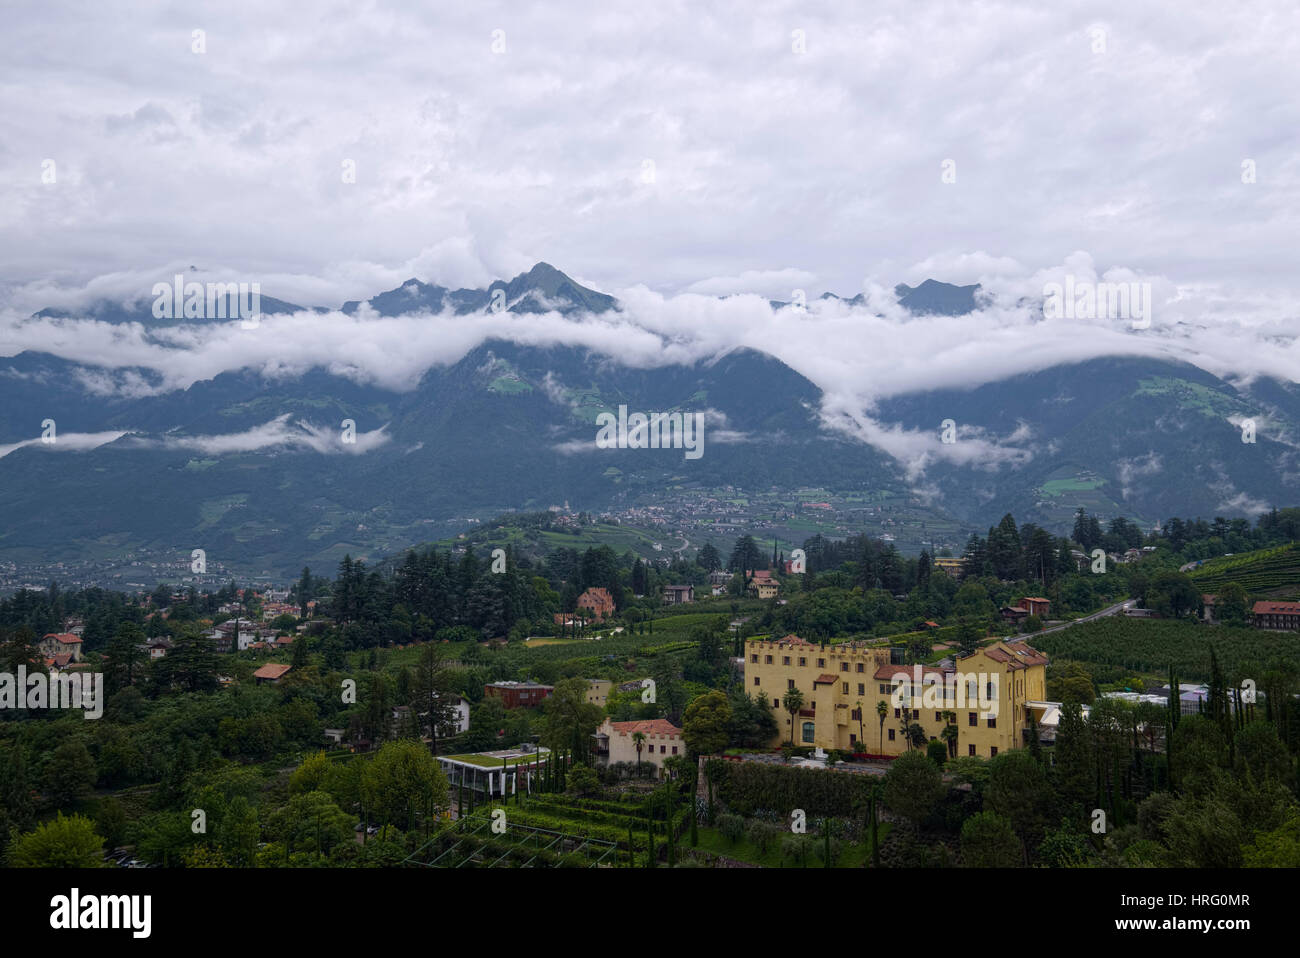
(1170, 724)
(650, 831)
(875, 840)
(668, 802)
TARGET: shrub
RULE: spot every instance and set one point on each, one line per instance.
(836, 849)
(731, 827)
(794, 847)
(761, 835)
(749, 786)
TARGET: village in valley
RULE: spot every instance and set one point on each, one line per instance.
(834, 704)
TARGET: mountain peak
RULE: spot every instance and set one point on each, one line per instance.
(553, 286)
(935, 297)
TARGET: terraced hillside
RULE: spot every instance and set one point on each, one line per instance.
(1273, 572)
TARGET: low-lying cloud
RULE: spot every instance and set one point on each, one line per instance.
(857, 354)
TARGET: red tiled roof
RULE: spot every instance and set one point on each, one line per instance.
(66, 638)
(271, 671)
(1276, 608)
(1022, 656)
(793, 639)
(825, 677)
(646, 727)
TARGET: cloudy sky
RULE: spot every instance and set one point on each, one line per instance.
(1110, 127)
(668, 155)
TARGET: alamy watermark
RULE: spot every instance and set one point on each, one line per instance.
(75, 911)
(658, 430)
(951, 690)
(53, 690)
(179, 299)
(1088, 300)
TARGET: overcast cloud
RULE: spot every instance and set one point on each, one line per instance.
(669, 156)
(823, 165)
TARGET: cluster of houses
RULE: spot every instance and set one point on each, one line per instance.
(240, 635)
(597, 605)
(760, 584)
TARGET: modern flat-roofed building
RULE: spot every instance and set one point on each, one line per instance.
(598, 691)
(515, 695)
(500, 773)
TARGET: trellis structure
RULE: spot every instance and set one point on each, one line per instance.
(520, 841)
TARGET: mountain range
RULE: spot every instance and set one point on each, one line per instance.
(511, 426)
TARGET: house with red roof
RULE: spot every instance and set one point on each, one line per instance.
(271, 673)
(598, 602)
(1035, 605)
(762, 585)
(55, 644)
(1276, 615)
(648, 740)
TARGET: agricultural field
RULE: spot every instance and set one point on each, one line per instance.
(556, 830)
(620, 538)
(1152, 646)
(1272, 572)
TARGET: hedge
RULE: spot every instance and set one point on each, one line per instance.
(748, 787)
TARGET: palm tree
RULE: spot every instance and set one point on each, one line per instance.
(793, 703)
(950, 732)
(638, 739)
(882, 710)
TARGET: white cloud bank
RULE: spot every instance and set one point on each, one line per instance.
(858, 355)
